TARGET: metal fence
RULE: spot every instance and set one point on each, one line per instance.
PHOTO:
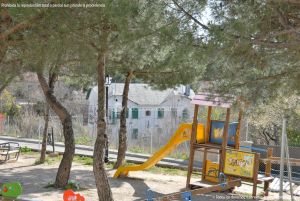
(294, 152)
(148, 140)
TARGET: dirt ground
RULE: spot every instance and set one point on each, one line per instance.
(34, 178)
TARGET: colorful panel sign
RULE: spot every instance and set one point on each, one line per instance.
(211, 171)
(217, 130)
(239, 163)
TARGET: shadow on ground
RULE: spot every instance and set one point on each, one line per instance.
(36, 177)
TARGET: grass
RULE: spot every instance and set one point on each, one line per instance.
(25, 149)
(176, 155)
(49, 160)
(83, 140)
(137, 150)
(167, 171)
(179, 155)
(85, 160)
(71, 185)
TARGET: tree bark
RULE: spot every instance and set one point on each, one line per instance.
(102, 184)
(64, 169)
(52, 80)
(123, 131)
(45, 134)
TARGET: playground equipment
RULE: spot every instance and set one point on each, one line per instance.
(222, 138)
(182, 134)
(218, 137)
(11, 190)
(69, 195)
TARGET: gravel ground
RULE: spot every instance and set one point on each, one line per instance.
(34, 178)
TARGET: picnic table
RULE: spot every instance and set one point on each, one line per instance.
(9, 151)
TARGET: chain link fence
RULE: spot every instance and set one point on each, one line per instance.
(144, 135)
(294, 153)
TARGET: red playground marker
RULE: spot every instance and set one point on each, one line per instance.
(69, 195)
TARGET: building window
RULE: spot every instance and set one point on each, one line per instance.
(127, 113)
(114, 117)
(118, 114)
(135, 113)
(160, 113)
(185, 114)
(148, 113)
(134, 134)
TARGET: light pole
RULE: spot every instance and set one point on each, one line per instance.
(107, 83)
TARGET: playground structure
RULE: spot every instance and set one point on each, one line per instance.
(222, 138)
(217, 137)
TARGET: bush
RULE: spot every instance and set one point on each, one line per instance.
(25, 149)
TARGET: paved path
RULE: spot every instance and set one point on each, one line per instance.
(84, 150)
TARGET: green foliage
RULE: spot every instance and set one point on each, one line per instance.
(72, 185)
(167, 171)
(251, 42)
(266, 119)
(293, 138)
(137, 149)
(25, 149)
(8, 105)
(179, 155)
(49, 160)
(83, 140)
(83, 160)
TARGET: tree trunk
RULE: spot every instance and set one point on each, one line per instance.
(64, 169)
(45, 134)
(122, 133)
(102, 184)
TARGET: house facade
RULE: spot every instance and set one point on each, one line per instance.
(152, 115)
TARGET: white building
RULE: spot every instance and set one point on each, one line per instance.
(152, 114)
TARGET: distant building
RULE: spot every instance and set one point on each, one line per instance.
(150, 111)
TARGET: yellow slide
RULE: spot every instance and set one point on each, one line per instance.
(182, 134)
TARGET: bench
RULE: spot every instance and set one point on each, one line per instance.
(7, 149)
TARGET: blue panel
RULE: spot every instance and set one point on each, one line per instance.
(217, 130)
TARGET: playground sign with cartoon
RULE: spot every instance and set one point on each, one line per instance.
(239, 163)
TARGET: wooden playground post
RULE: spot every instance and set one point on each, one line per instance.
(207, 127)
(206, 139)
(193, 139)
(268, 170)
(224, 141)
(255, 174)
(238, 129)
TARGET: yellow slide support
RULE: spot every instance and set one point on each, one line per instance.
(182, 134)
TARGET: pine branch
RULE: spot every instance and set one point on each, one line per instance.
(190, 16)
(154, 72)
(282, 75)
(297, 2)
(20, 26)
